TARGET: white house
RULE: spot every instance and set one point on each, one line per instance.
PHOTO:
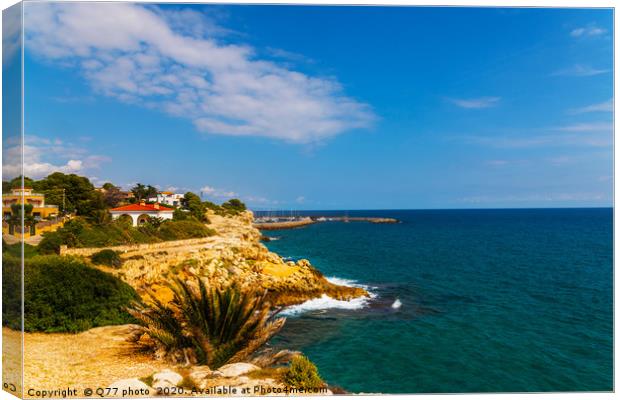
(139, 213)
(169, 198)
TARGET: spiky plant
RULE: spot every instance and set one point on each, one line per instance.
(210, 326)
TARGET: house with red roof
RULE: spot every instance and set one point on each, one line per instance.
(140, 212)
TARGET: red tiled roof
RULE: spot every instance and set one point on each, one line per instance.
(142, 207)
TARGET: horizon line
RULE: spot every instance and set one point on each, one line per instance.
(432, 209)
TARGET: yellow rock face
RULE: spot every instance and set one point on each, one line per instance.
(235, 253)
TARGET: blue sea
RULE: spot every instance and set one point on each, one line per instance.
(463, 301)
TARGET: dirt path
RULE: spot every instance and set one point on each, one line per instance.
(91, 359)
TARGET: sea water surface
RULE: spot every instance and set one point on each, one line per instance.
(463, 301)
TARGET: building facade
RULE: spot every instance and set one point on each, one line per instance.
(40, 210)
(168, 198)
(140, 212)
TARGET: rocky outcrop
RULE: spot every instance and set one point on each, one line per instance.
(238, 379)
(235, 253)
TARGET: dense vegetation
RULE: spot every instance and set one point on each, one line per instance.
(62, 294)
(207, 325)
(77, 195)
(79, 232)
(78, 192)
(303, 374)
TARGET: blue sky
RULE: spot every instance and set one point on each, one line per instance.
(326, 107)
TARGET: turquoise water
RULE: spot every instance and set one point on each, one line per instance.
(492, 300)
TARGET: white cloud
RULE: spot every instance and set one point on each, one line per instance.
(215, 192)
(11, 33)
(480, 102)
(44, 156)
(579, 70)
(606, 106)
(587, 31)
(259, 200)
(300, 199)
(173, 62)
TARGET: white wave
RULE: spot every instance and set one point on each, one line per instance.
(325, 302)
(397, 304)
(351, 283)
(273, 238)
(342, 282)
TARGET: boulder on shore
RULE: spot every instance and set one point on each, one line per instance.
(166, 378)
(237, 369)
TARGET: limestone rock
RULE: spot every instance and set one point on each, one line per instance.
(200, 375)
(237, 369)
(166, 379)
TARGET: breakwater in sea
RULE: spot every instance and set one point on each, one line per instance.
(274, 223)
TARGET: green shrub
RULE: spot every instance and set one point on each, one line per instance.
(303, 374)
(15, 250)
(185, 229)
(107, 257)
(234, 206)
(62, 294)
(11, 291)
(208, 326)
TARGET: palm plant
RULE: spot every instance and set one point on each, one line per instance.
(207, 325)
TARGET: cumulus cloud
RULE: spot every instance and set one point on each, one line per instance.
(480, 102)
(173, 61)
(44, 156)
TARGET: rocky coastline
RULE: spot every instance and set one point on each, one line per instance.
(234, 254)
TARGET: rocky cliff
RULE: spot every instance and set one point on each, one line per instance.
(235, 253)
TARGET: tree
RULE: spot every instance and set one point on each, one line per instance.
(143, 192)
(109, 186)
(139, 191)
(192, 202)
(234, 205)
(151, 191)
(74, 191)
(18, 218)
(112, 196)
